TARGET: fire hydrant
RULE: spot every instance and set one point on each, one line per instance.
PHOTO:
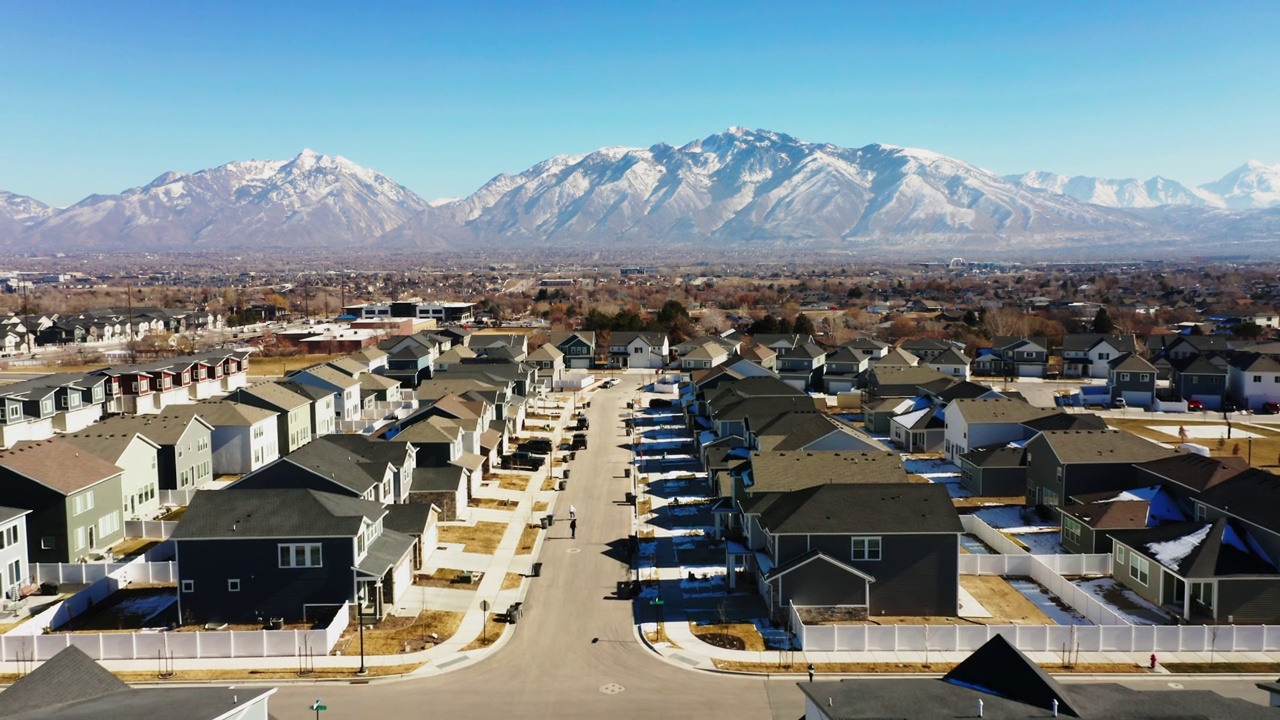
(1153, 661)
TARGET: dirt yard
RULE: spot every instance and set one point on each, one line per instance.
(491, 503)
(514, 480)
(732, 636)
(395, 635)
(528, 538)
(279, 366)
(481, 538)
(1006, 604)
(129, 609)
(442, 578)
(1266, 447)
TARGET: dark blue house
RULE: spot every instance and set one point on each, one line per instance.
(247, 556)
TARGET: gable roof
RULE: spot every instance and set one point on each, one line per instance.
(812, 556)
(276, 513)
(109, 445)
(1083, 342)
(58, 465)
(222, 413)
(1001, 669)
(894, 508)
(997, 456)
(996, 410)
(276, 395)
(1249, 495)
(1195, 472)
(1058, 420)
(950, 356)
(1131, 362)
(70, 676)
(1200, 550)
(1101, 446)
(782, 471)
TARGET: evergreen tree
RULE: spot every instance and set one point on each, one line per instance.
(1102, 322)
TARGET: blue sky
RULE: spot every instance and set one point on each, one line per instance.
(98, 97)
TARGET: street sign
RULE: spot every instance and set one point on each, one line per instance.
(484, 606)
(318, 708)
(657, 601)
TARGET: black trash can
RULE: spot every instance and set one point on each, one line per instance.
(631, 498)
(536, 571)
(564, 485)
(566, 473)
(626, 473)
(513, 614)
(551, 520)
(543, 521)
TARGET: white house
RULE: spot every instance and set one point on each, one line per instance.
(347, 404)
(1254, 379)
(132, 452)
(245, 438)
(638, 350)
(13, 552)
(980, 422)
(1089, 354)
(951, 362)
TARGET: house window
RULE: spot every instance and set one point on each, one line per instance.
(1070, 530)
(15, 572)
(188, 586)
(82, 503)
(233, 585)
(300, 555)
(48, 543)
(109, 524)
(1257, 378)
(1201, 511)
(10, 536)
(1049, 498)
(1139, 569)
(1124, 377)
(1120, 554)
(1144, 377)
(82, 538)
(866, 548)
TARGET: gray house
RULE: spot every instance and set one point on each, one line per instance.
(1133, 380)
(185, 441)
(579, 348)
(75, 499)
(865, 550)
(1065, 463)
(1200, 378)
(995, 471)
(293, 422)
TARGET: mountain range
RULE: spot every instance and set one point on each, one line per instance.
(736, 188)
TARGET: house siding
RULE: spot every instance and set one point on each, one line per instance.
(819, 583)
(1249, 601)
(266, 589)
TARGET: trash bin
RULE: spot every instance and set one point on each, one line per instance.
(537, 570)
(566, 473)
(626, 473)
(543, 521)
(551, 520)
(631, 498)
(564, 485)
(513, 613)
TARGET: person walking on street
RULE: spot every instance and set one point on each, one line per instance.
(573, 528)
(573, 512)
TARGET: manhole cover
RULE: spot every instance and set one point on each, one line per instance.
(611, 689)
(574, 550)
(1176, 686)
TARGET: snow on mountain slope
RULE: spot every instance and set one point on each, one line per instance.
(754, 186)
(311, 199)
(1252, 185)
(1127, 193)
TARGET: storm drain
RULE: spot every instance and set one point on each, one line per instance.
(611, 689)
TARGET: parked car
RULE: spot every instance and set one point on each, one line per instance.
(1119, 403)
(1269, 408)
(609, 383)
(1194, 404)
(579, 441)
(522, 461)
(660, 403)
(536, 447)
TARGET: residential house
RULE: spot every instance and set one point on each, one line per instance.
(1014, 357)
(866, 550)
(1090, 520)
(995, 471)
(15, 572)
(71, 686)
(983, 422)
(74, 497)
(898, 382)
(1200, 378)
(323, 408)
(704, 356)
(919, 431)
(761, 356)
(579, 348)
(1187, 475)
(638, 350)
(1089, 355)
(952, 362)
(998, 681)
(1253, 379)
(895, 358)
(138, 456)
(346, 389)
(842, 370)
(930, 348)
(801, 366)
(549, 360)
(244, 437)
(184, 443)
(245, 556)
(1066, 463)
(373, 359)
(1132, 380)
(293, 422)
(331, 466)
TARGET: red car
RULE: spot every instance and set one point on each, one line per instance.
(1270, 408)
(1194, 404)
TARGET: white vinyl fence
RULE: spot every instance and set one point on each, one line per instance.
(181, 498)
(149, 529)
(1037, 638)
(1021, 565)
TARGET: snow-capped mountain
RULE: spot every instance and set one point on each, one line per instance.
(22, 209)
(312, 200)
(1127, 193)
(755, 186)
(1252, 185)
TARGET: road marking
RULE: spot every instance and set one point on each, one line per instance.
(611, 689)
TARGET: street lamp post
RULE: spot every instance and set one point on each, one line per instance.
(360, 615)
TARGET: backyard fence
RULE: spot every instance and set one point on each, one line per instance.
(1023, 565)
(994, 539)
(136, 570)
(149, 529)
(181, 498)
(1037, 638)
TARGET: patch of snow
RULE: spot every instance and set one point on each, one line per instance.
(1014, 519)
(1171, 553)
(1045, 542)
(1048, 603)
(1142, 612)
